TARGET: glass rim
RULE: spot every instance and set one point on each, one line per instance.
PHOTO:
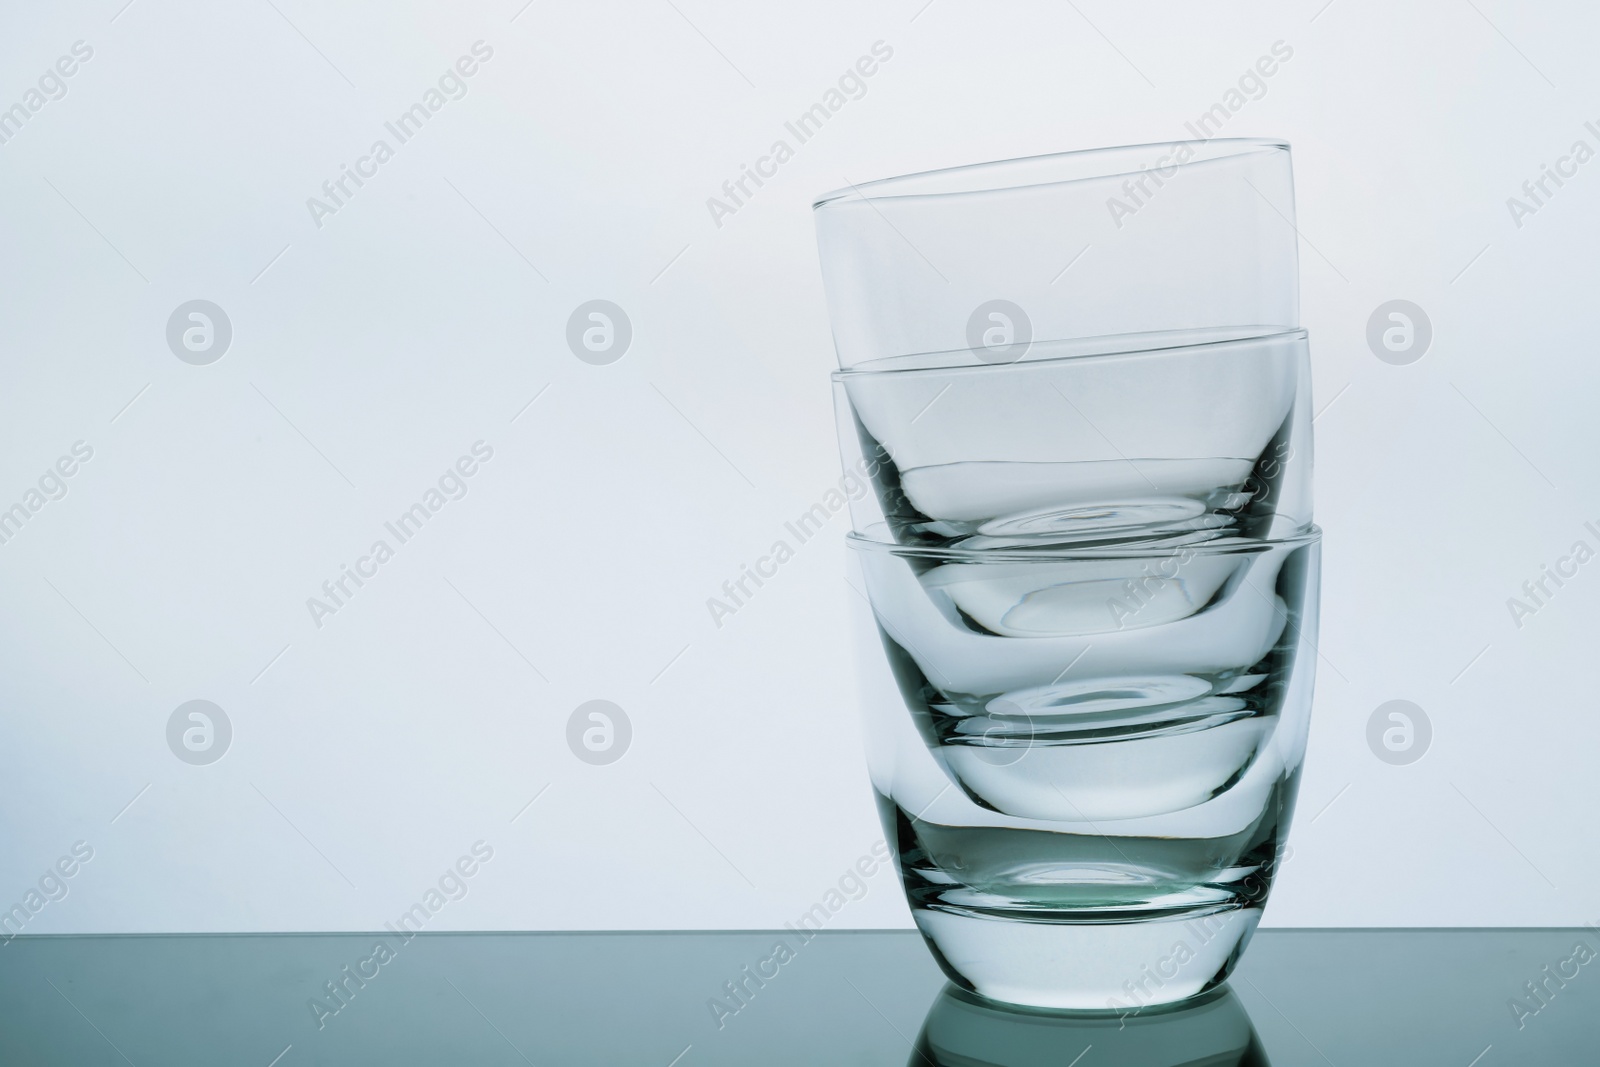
(958, 177)
(1133, 344)
(1311, 534)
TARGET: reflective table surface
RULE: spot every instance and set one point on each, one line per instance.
(1460, 998)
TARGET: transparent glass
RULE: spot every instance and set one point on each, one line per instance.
(1085, 757)
(987, 260)
(1081, 441)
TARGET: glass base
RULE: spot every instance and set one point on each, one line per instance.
(1083, 920)
(1089, 966)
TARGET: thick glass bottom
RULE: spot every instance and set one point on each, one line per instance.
(1074, 918)
(1122, 967)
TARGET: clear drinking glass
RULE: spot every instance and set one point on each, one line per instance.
(987, 260)
(1085, 758)
(1131, 436)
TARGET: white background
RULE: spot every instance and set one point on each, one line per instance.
(369, 353)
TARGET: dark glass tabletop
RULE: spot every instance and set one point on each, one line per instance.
(1368, 998)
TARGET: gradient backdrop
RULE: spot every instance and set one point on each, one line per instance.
(367, 352)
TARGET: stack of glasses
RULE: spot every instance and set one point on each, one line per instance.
(1078, 388)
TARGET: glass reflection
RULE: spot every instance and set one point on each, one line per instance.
(963, 1030)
